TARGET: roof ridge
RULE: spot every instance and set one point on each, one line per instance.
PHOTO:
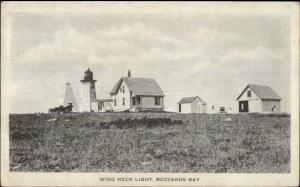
(190, 97)
(137, 77)
(259, 85)
(139, 85)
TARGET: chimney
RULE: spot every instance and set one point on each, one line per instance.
(129, 74)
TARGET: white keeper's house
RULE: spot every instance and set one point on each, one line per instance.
(258, 98)
(192, 105)
(137, 94)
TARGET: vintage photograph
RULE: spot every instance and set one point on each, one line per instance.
(148, 92)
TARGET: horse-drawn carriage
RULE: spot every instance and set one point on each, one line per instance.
(61, 109)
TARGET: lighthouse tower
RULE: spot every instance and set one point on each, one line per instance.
(88, 91)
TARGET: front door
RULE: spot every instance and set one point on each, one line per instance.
(243, 106)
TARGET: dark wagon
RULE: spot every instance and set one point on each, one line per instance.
(61, 109)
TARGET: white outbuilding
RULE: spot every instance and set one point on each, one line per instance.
(258, 98)
(192, 105)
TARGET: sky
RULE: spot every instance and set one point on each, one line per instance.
(213, 56)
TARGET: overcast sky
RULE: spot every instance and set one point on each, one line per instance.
(213, 56)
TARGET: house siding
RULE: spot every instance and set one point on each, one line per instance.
(254, 105)
(95, 106)
(194, 106)
(267, 105)
(148, 102)
(203, 108)
(198, 106)
(186, 108)
(119, 98)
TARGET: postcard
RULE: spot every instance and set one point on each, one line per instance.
(149, 93)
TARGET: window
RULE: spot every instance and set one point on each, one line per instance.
(138, 100)
(249, 93)
(179, 107)
(157, 100)
(99, 106)
(242, 106)
(212, 107)
(133, 100)
(123, 101)
(115, 101)
(92, 85)
(123, 89)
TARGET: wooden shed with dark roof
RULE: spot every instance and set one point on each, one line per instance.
(258, 98)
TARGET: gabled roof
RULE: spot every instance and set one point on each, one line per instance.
(190, 100)
(139, 86)
(262, 91)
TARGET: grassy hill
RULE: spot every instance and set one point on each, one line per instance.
(150, 142)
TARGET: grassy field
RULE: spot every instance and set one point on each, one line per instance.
(150, 142)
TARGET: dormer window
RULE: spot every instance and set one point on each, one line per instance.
(249, 93)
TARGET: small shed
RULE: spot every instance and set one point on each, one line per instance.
(192, 105)
(258, 98)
